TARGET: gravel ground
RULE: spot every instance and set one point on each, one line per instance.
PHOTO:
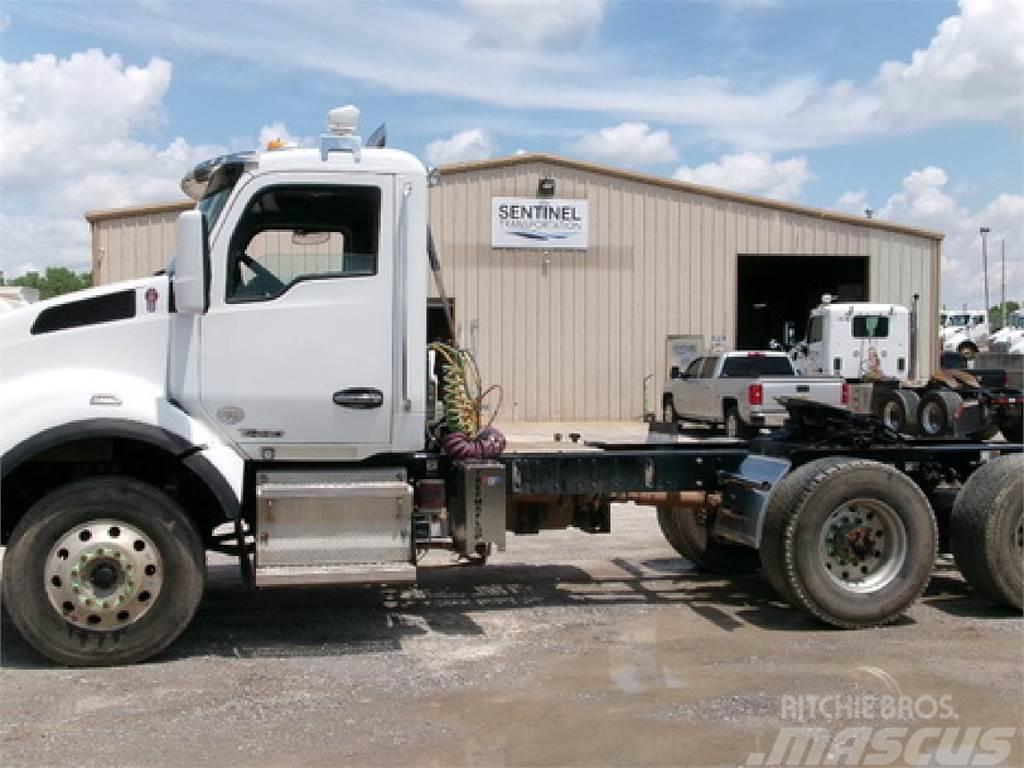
(567, 649)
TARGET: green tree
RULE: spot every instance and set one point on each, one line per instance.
(56, 281)
(995, 314)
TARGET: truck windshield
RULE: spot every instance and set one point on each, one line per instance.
(870, 327)
(756, 365)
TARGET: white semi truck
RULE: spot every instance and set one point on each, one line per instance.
(870, 347)
(965, 332)
(268, 396)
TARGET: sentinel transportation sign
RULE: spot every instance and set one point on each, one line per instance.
(528, 222)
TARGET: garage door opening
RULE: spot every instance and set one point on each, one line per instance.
(774, 289)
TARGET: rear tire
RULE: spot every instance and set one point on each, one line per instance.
(668, 411)
(892, 410)
(735, 426)
(1012, 429)
(689, 538)
(103, 571)
(849, 540)
(987, 433)
(987, 530)
(935, 413)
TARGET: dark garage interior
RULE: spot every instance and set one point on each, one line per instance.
(774, 289)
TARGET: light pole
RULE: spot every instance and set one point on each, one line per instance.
(984, 262)
(1002, 293)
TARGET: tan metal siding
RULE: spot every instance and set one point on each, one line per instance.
(571, 334)
(131, 247)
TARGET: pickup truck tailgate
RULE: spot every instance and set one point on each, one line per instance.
(821, 390)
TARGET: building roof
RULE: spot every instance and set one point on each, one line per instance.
(603, 170)
(685, 186)
(139, 210)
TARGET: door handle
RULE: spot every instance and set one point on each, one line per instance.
(363, 398)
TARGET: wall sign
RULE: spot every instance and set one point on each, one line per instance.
(543, 223)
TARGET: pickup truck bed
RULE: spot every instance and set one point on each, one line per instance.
(741, 391)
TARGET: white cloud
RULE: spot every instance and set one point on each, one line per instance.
(73, 133)
(471, 144)
(279, 132)
(971, 69)
(925, 201)
(756, 173)
(628, 144)
(853, 201)
(533, 23)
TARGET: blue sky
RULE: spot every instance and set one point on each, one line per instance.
(915, 109)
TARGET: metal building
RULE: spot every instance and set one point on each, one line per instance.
(581, 325)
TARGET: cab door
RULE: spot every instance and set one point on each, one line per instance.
(297, 343)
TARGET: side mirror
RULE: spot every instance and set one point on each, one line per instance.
(675, 373)
(191, 264)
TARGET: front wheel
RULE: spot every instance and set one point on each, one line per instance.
(968, 350)
(850, 540)
(103, 571)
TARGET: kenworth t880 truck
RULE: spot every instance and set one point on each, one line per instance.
(269, 396)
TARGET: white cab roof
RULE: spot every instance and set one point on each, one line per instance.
(371, 160)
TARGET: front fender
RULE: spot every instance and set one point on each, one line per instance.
(42, 411)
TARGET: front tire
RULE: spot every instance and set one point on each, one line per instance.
(103, 571)
(968, 350)
(849, 540)
(986, 530)
(688, 536)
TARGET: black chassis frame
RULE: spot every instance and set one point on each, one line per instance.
(744, 473)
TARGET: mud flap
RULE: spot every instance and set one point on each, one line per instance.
(745, 495)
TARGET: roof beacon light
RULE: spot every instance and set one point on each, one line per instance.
(341, 136)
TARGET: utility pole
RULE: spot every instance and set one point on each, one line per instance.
(984, 262)
(1002, 294)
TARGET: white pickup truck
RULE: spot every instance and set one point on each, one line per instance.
(739, 391)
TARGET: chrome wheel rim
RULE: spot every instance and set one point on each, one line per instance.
(863, 545)
(103, 575)
(931, 418)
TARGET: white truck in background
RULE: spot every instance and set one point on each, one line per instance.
(14, 296)
(965, 332)
(870, 346)
(1010, 335)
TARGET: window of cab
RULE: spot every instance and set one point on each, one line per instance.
(291, 234)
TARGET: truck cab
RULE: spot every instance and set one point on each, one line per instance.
(856, 341)
(965, 332)
(1010, 334)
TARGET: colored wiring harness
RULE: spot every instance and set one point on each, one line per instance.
(463, 395)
